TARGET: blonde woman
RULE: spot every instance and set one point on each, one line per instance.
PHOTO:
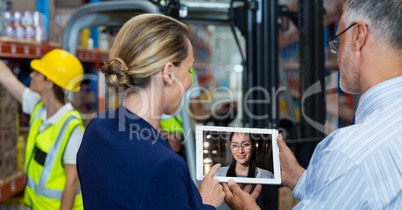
(124, 162)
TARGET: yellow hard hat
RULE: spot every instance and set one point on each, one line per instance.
(60, 67)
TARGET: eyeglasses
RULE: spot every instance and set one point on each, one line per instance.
(245, 146)
(333, 45)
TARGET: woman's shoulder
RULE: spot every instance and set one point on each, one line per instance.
(166, 165)
(262, 173)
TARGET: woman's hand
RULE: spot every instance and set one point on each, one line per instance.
(210, 189)
(236, 198)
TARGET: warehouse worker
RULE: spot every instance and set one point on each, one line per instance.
(55, 133)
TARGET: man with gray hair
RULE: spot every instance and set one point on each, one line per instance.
(359, 166)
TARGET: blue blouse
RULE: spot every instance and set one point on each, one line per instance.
(124, 163)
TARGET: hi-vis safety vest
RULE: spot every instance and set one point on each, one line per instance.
(174, 124)
(44, 167)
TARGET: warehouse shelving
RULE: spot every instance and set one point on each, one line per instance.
(27, 50)
(11, 186)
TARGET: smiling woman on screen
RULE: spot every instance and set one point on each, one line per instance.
(242, 146)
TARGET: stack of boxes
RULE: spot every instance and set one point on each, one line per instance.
(8, 135)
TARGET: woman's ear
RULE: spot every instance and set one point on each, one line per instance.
(167, 73)
(49, 84)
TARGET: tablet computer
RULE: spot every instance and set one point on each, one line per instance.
(246, 155)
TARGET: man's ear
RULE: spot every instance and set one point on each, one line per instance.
(167, 73)
(361, 35)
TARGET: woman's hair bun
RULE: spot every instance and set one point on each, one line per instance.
(116, 73)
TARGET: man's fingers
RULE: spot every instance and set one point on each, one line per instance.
(234, 187)
(226, 189)
(213, 171)
(281, 143)
(248, 188)
(256, 191)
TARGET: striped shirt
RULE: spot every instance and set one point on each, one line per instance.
(359, 166)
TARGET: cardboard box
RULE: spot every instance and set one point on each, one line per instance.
(8, 115)
(8, 138)
(8, 164)
(8, 133)
(8, 108)
(23, 5)
(3, 93)
(69, 4)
